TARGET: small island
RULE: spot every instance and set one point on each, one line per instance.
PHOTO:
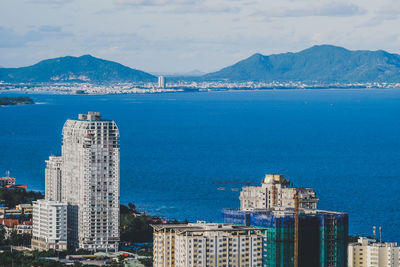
(18, 100)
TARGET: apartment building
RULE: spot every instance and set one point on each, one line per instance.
(371, 253)
(90, 181)
(207, 244)
(53, 178)
(49, 222)
(275, 191)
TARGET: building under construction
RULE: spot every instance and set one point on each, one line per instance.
(298, 234)
(322, 236)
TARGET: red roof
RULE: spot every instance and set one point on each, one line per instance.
(12, 222)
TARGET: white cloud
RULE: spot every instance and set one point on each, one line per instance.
(385, 13)
(179, 35)
(207, 9)
(9, 38)
(330, 9)
(184, 6)
(50, 2)
(155, 2)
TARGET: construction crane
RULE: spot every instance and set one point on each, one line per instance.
(296, 230)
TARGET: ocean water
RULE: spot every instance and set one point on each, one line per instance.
(175, 147)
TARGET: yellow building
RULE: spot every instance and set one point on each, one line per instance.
(370, 253)
(207, 244)
(25, 208)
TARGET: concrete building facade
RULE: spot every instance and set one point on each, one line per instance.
(275, 191)
(371, 253)
(90, 181)
(207, 244)
(53, 178)
(49, 222)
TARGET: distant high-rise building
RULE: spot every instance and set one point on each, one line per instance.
(161, 82)
(207, 244)
(371, 253)
(49, 225)
(53, 178)
(275, 191)
(90, 181)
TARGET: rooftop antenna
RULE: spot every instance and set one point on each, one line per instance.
(7, 174)
(374, 231)
(380, 234)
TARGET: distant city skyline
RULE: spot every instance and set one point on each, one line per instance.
(170, 36)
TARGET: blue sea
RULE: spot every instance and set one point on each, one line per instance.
(175, 147)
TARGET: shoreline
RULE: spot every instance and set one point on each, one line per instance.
(47, 92)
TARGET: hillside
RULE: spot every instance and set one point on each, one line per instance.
(323, 63)
(75, 69)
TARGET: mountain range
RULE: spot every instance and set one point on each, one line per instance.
(321, 63)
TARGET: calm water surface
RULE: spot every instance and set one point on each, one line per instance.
(174, 147)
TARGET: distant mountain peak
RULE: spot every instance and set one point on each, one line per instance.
(319, 63)
(84, 68)
(257, 55)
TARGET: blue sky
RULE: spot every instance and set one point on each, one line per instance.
(170, 36)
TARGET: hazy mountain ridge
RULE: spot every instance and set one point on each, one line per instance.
(75, 69)
(323, 63)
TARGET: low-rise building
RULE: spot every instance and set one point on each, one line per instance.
(25, 208)
(11, 214)
(207, 244)
(20, 227)
(7, 181)
(371, 253)
(49, 225)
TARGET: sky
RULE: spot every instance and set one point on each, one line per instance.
(178, 36)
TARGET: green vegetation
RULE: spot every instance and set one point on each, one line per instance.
(35, 259)
(135, 227)
(14, 239)
(17, 258)
(13, 197)
(18, 100)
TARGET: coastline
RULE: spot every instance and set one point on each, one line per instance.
(210, 90)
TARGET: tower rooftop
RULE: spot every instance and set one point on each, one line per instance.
(275, 179)
(91, 116)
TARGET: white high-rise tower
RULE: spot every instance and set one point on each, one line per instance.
(161, 82)
(90, 181)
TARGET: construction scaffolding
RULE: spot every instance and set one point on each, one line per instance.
(322, 236)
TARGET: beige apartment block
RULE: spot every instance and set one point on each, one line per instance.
(207, 244)
(371, 253)
(275, 191)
